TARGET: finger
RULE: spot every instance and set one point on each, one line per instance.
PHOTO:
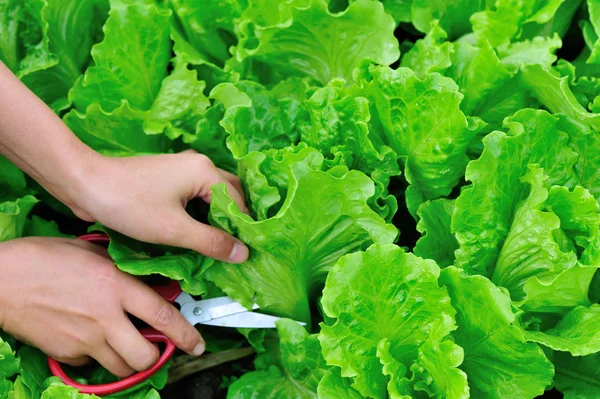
(110, 360)
(212, 176)
(207, 240)
(95, 248)
(233, 179)
(147, 305)
(127, 341)
(77, 362)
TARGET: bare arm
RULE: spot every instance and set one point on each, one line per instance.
(142, 197)
(38, 142)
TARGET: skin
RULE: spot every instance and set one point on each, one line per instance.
(66, 297)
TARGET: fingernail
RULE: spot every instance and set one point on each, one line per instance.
(198, 350)
(239, 253)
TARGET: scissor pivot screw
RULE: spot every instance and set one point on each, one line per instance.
(197, 311)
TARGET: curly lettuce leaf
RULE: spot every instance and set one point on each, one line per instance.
(334, 386)
(120, 131)
(9, 363)
(437, 241)
(578, 332)
(257, 118)
(485, 210)
(13, 217)
(131, 61)
(396, 300)
(142, 259)
(303, 38)
(422, 122)
(498, 361)
(200, 20)
(338, 127)
(47, 43)
(577, 377)
(179, 105)
(555, 94)
(538, 250)
(291, 252)
(298, 368)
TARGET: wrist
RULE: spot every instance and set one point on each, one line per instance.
(74, 183)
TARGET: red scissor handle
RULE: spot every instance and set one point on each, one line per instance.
(169, 292)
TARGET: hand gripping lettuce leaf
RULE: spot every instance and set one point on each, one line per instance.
(392, 327)
(323, 217)
(302, 38)
(422, 122)
(142, 259)
(484, 211)
(298, 368)
(498, 361)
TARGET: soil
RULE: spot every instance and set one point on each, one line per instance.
(207, 384)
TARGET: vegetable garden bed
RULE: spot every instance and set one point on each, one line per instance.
(422, 178)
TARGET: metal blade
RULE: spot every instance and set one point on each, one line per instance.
(208, 309)
(245, 320)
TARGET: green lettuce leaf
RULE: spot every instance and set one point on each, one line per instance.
(555, 94)
(484, 211)
(334, 386)
(120, 131)
(422, 122)
(179, 105)
(137, 46)
(302, 38)
(47, 43)
(258, 119)
(437, 241)
(200, 20)
(577, 377)
(142, 259)
(12, 179)
(13, 217)
(291, 252)
(498, 361)
(338, 127)
(72, 28)
(300, 366)
(402, 313)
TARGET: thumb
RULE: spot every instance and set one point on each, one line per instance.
(208, 240)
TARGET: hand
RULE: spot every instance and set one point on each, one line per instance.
(144, 197)
(66, 297)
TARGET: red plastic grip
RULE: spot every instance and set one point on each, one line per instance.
(106, 389)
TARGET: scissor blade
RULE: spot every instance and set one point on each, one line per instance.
(245, 320)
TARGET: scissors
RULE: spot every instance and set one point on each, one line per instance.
(221, 312)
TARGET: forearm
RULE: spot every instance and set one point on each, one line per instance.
(37, 141)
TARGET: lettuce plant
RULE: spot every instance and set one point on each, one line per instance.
(422, 178)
